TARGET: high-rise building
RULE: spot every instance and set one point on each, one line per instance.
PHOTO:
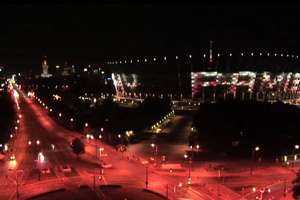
(45, 73)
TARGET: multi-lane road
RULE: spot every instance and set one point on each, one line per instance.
(36, 125)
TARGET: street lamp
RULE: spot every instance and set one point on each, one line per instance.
(38, 142)
(254, 150)
(146, 181)
(294, 152)
(190, 166)
(197, 147)
(100, 151)
(155, 151)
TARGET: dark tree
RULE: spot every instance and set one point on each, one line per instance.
(77, 146)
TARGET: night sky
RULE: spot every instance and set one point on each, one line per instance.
(90, 33)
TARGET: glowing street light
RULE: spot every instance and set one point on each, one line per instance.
(101, 129)
(38, 142)
(41, 157)
(59, 114)
(100, 136)
(190, 166)
(86, 124)
(29, 142)
(119, 135)
(72, 120)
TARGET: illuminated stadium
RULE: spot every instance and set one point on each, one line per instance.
(210, 76)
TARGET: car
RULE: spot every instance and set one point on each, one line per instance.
(45, 170)
(66, 168)
(105, 165)
(121, 147)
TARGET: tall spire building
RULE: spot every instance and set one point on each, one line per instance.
(45, 73)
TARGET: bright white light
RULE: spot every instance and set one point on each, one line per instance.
(5, 147)
(38, 142)
(85, 69)
(41, 157)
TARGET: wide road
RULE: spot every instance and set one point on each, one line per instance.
(36, 125)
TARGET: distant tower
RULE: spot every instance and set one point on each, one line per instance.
(45, 73)
(211, 62)
(210, 52)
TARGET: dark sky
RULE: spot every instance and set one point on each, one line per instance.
(87, 33)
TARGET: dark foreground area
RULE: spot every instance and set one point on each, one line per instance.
(236, 128)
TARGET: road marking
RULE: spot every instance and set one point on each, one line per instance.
(200, 194)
